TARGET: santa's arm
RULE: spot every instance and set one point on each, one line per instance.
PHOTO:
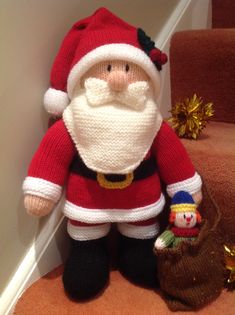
(48, 169)
(174, 164)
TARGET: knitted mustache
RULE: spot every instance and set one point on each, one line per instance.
(98, 93)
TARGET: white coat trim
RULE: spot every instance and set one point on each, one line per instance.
(75, 212)
(139, 232)
(191, 185)
(42, 188)
(87, 233)
(113, 52)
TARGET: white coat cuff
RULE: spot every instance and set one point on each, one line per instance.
(42, 188)
(191, 185)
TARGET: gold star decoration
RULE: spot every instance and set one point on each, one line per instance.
(190, 116)
(229, 252)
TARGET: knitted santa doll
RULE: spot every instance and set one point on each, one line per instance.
(111, 147)
(184, 218)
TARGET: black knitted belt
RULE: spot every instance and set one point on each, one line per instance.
(146, 169)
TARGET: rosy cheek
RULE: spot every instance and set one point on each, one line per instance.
(181, 220)
(102, 76)
(135, 75)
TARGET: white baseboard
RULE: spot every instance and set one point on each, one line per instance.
(47, 252)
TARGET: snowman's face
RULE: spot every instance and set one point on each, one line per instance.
(185, 219)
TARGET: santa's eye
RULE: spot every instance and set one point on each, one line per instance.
(191, 216)
(109, 68)
(184, 216)
(127, 68)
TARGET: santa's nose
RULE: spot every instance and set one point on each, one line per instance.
(117, 80)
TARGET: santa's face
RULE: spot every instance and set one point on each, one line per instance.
(113, 117)
(117, 73)
(185, 219)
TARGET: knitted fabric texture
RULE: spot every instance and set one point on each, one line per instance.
(86, 271)
(98, 91)
(192, 274)
(138, 230)
(173, 236)
(87, 201)
(185, 232)
(40, 206)
(107, 144)
(182, 202)
(137, 262)
(102, 71)
(101, 36)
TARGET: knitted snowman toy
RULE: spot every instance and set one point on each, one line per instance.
(111, 148)
(184, 217)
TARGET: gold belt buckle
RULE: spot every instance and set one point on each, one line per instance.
(105, 183)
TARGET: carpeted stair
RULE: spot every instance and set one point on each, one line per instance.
(201, 62)
(223, 13)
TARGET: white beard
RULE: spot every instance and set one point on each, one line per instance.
(112, 138)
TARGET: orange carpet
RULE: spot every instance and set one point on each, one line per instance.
(202, 62)
(47, 297)
(213, 156)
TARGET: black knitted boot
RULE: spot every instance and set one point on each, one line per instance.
(137, 261)
(86, 271)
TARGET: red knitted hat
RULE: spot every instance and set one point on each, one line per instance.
(102, 36)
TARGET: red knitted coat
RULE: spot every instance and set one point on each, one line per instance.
(87, 201)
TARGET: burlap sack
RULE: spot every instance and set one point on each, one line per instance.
(192, 274)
